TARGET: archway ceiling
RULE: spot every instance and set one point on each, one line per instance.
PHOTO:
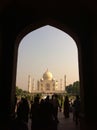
(73, 13)
(49, 5)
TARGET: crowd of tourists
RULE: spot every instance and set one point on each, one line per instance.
(43, 113)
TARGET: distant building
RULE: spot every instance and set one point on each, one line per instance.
(47, 83)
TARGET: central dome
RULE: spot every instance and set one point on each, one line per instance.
(47, 75)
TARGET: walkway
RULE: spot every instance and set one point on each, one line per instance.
(64, 124)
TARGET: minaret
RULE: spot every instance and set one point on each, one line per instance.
(64, 82)
(29, 84)
(60, 84)
(38, 85)
(33, 84)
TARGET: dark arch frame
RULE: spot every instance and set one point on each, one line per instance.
(80, 21)
(58, 25)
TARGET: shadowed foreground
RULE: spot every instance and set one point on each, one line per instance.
(64, 124)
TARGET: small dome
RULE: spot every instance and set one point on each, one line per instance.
(47, 75)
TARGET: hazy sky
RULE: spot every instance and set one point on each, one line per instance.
(47, 47)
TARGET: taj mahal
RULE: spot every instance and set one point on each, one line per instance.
(47, 84)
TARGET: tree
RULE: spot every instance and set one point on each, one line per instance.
(73, 89)
(19, 92)
(76, 88)
(69, 89)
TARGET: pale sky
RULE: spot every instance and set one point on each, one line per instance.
(47, 48)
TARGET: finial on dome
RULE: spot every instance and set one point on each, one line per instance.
(47, 70)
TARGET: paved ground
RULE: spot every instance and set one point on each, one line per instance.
(64, 124)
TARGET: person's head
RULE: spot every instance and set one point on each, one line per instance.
(77, 96)
(36, 99)
(66, 98)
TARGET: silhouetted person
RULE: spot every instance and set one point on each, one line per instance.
(66, 107)
(42, 114)
(46, 115)
(35, 114)
(21, 121)
(76, 107)
(56, 105)
(31, 103)
(23, 110)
